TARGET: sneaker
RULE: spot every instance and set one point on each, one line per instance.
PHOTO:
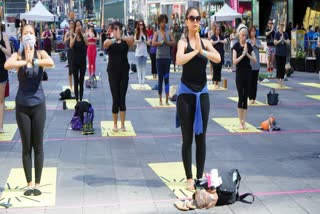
(85, 129)
(90, 129)
(131, 72)
(36, 192)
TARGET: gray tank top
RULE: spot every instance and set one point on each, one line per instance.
(30, 92)
(163, 51)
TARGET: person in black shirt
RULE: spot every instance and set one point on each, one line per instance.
(78, 43)
(118, 72)
(218, 41)
(193, 102)
(242, 55)
(281, 41)
(270, 32)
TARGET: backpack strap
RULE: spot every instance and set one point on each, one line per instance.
(243, 196)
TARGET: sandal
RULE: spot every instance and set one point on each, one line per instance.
(123, 129)
(115, 129)
(180, 205)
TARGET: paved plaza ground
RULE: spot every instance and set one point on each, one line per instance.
(92, 174)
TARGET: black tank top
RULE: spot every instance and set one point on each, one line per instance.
(79, 52)
(118, 58)
(2, 54)
(194, 74)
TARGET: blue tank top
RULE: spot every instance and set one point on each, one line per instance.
(30, 92)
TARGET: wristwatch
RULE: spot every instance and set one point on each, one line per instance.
(35, 61)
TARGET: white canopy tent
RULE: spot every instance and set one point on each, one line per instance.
(38, 13)
(226, 13)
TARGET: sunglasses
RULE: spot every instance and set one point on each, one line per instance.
(194, 18)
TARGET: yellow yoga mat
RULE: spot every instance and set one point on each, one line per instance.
(106, 130)
(87, 77)
(150, 77)
(311, 84)
(144, 87)
(9, 132)
(154, 102)
(257, 103)
(173, 175)
(275, 85)
(232, 125)
(16, 186)
(211, 88)
(71, 103)
(317, 97)
(10, 105)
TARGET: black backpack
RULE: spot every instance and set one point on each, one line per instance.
(66, 94)
(228, 191)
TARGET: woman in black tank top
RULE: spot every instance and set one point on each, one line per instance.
(118, 72)
(193, 53)
(5, 50)
(30, 105)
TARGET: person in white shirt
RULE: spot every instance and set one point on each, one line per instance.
(140, 40)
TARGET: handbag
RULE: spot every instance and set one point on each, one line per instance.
(272, 97)
(7, 90)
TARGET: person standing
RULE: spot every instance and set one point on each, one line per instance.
(92, 49)
(193, 102)
(281, 41)
(141, 40)
(242, 55)
(163, 39)
(30, 105)
(118, 72)
(67, 37)
(54, 37)
(270, 32)
(78, 43)
(153, 51)
(47, 36)
(177, 36)
(218, 41)
(256, 45)
(5, 51)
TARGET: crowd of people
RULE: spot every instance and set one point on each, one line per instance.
(189, 48)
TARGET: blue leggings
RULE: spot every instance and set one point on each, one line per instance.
(163, 69)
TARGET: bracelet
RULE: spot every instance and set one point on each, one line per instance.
(113, 40)
(204, 53)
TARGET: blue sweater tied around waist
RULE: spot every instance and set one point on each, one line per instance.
(198, 125)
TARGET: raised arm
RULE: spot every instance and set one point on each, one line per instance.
(210, 52)
(181, 57)
(13, 62)
(44, 60)
(6, 50)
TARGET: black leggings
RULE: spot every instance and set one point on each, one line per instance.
(281, 64)
(243, 84)
(186, 106)
(79, 79)
(217, 67)
(253, 85)
(31, 121)
(317, 59)
(153, 64)
(70, 61)
(118, 86)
